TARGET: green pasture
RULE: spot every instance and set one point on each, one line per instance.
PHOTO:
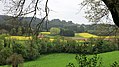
(62, 59)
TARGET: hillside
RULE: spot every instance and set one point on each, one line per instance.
(51, 23)
(97, 29)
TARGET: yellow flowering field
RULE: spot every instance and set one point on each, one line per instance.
(18, 37)
(86, 35)
(45, 33)
(108, 37)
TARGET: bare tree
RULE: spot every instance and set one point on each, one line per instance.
(98, 9)
(113, 6)
(21, 8)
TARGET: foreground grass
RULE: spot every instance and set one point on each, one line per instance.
(62, 59)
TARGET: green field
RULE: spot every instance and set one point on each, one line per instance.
(62, 59)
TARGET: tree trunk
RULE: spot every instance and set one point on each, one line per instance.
(15, 65)
(113, 6)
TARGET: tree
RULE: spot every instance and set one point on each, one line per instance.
(81, 29)
(13, 31)
(4, 53)
(54, 31)
(67, 32)
(19, 31)
(98, 9)
(113, 6)
(15, 59)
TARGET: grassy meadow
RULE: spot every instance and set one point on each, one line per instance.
(62, 59)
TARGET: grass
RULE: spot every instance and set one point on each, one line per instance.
(62, 59)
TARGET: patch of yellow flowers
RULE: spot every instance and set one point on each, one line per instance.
(86, 35)
(19, 37)
(45, 33)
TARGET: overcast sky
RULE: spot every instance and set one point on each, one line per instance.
(67, 10)
(64, 10)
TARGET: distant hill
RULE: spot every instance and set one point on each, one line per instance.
(97, 29)
(52, 23)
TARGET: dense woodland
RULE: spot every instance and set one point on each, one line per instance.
(21, 27)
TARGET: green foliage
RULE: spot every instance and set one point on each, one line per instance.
(70, 65)
(1, 45)
(19, 49)
(101, 45)
(13, 31)
(19, 31)
(70, 46)
(2, 36)
(67, 32)
(15, 59)
(63, 59)
(4, 53)
(32, 50)
(84, 61)
(115, 64)
(54, 31)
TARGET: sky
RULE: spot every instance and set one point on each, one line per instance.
(68, 10)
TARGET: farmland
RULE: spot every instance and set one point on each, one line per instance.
(60, 50)
(77, 36)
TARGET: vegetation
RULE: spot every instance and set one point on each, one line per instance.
(63, 59)
(67, 32)
(45, 33)
(54, 31)
(22, 29)
(30, 49)
(85, 35)
(18, 38)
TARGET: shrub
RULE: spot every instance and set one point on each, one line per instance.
(15, 60)
(84, 61)
(19, 49)
(66, 32)
(32, 50)
(54, 31)
(115, 64)
(4, 54)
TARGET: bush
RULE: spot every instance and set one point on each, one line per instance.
(84, 61)
(19, 49)
(115, 64)
(54, 31)
(66, 32)
(4, 54)
(32, 50)
(15, 60)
